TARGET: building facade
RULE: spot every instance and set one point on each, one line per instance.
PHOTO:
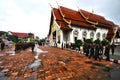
(67, 25)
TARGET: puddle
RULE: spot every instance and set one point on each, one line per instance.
(11, 53)
(3, 77)
(1, 55)
(1, 62)
(35, 64)
(115, 74)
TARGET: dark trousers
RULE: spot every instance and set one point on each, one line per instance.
(2, 46)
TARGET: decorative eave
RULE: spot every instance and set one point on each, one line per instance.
(86, 19)
(50, 5)
(63, 25)
(94, 23)
(83, 15)
(68, 22)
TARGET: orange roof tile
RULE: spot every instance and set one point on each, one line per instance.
(101, 20)
(63, 25)
(65, 15)
(71, 14)
(57, 14)
(110, 33)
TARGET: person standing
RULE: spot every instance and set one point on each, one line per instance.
(2, 44)
(32, 46)
(96, 51)
(87, 49)
(91, 51)
(112, 49)
(107, 52)
(100, 51)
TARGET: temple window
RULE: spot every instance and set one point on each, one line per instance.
(98, 35)
(104, 35)
(84, 34)
(75, 33)
(92, 35)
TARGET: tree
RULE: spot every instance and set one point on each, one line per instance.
(13, 38)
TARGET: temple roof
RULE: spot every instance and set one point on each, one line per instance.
(21, 35)
(81, 18)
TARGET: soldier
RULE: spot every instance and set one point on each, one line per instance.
(107, 52)
(112, 49)
(32, 46)
(2, 44)
(87, 49)
(91, 50)
(96, 52)
(84, 47)
(100, 51)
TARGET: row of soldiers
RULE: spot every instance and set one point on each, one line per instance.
(24, 45)
(97, 50)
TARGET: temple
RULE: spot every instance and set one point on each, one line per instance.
(67, 25)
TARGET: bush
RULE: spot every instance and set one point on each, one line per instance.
(105, 42)
(89, 41)
(13, 38)
(78, 42)
(97, 41)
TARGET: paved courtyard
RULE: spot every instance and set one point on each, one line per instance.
(56, 64)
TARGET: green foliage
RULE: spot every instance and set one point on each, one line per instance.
(3, 33)
(21, 40)
(13, 38)
(105, 42)
(97, 41)
(31, 39)
(79, 42)
(89, 40)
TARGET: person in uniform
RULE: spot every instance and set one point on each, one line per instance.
(2, 44)
(112, 49)
(107, 52)
(96, 51)
(91, 50)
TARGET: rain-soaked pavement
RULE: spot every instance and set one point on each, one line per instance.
(56, 64)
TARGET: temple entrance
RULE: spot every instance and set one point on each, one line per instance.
(54, 39)
(66, 37)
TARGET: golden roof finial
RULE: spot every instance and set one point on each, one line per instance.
(93, 11)
(57, 3)
(78, 7)
(50, 5)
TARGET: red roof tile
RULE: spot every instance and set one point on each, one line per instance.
(82, 24)
(65, 15)
(20, 35)
(101, 20)
(110, 33)
(63, 25)
(57, 14)
(71, 14)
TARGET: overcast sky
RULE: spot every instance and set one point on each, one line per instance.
(34, 15)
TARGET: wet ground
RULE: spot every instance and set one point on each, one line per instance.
(56, 64)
